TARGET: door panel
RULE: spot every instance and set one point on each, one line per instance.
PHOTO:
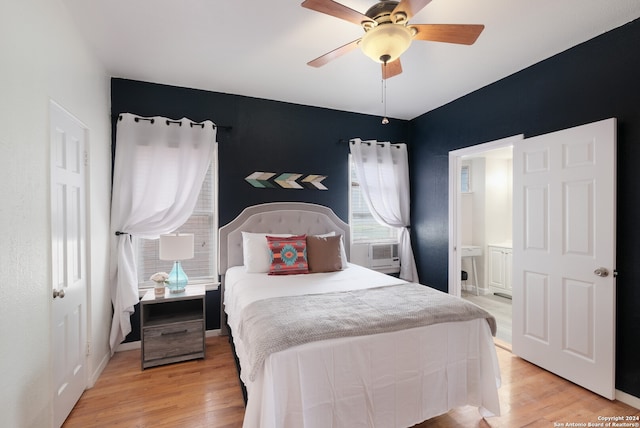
(535, 305)
(579, 314)
(564, 229)
(578, 217)
(69, 282)
(536, 228)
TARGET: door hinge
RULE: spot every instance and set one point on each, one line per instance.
(88, 349)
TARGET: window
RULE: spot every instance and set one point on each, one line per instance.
(365, 228)
(465, 178)
(203, 224)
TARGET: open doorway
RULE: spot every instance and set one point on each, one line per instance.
(481, 208)
(486, 214)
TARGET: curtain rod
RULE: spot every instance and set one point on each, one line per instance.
(397, 145)
(169, 122)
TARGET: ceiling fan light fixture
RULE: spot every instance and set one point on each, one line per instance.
(387, 41)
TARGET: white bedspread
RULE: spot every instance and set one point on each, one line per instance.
(386, 380)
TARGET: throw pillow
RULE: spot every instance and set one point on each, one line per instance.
(288, 255)
(323, 253)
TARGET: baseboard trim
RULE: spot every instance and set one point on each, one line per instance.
(98, 371)
(128, 346)
(477, 291)
(628, 399)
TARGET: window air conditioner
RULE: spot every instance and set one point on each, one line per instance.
(383, 256)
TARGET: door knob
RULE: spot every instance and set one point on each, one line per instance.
(58, 293)
(602, 272)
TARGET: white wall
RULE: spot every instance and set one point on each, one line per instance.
(499, 200)
(467, 211)
(486, 211)
(474, 212)
(42, 58)
(478, 183)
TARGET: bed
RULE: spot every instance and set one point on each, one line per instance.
(300, 371)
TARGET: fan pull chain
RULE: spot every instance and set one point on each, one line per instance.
(385, 120)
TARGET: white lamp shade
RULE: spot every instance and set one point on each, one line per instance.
(176, 246)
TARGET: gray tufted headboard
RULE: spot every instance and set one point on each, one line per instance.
(277, 217)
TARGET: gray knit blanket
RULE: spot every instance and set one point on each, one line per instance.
(278, 323)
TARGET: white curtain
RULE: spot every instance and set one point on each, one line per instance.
(159, 168)
(383, 173)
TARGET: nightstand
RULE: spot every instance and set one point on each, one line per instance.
(172, 327)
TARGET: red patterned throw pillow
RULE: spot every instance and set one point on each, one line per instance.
(288, 255)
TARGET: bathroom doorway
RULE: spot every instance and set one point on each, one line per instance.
(482, 228)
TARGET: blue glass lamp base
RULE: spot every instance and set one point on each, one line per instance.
(177, 279)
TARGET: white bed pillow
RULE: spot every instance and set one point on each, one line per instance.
(255, 251)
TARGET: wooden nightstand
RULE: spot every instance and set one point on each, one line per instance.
(172, 327)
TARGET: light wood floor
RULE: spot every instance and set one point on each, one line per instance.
(499, 307)
(198, 393)
(206, 393)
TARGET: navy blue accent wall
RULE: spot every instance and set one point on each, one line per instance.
(267, 136)
(596, 80)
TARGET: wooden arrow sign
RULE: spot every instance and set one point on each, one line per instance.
(314, 182)
(261, 179)
(286, 180)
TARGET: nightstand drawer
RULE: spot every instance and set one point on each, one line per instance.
(172, 327)
(168, 341)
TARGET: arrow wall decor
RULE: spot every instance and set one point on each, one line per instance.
(286, 180)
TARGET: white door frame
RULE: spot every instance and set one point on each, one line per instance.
(455, 215)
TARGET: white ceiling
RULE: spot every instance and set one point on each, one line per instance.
(260, 48)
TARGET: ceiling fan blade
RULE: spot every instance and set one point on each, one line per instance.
(391, 69)
(410, 7)
(330, 56)
(338, 10)
(450, 33)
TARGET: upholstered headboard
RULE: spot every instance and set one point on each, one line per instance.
(277, 217)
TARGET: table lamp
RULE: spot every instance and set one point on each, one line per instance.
(176, 247)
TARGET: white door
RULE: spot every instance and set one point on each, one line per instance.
(564, 254)
(68, 244)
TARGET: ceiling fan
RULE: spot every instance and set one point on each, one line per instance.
(388, 33)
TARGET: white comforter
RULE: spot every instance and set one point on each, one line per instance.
(386, 380)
